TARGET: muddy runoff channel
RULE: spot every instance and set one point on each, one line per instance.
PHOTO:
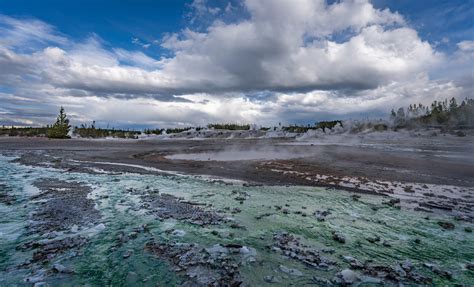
(119, 228)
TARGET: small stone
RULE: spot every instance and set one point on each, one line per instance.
(446, 225)
(99, 227)
(244, 250)
(338, 237)
(321, 281)
(36, 279)
(355, 197)
(127, 254)
(61, 269)
(407, 265)
(290, 271)
(236, 210)
(271, 279)
(373, 239)
(468, 229)
(428, 265)
(443, 273)
(356, 264)
(74, 228)
(348, 276)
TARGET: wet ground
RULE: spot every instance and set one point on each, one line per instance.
(67, 218)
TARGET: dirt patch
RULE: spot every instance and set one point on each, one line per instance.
(61, 205)
(166, 206)
(46, 251)
(292, 247)
(213, 266)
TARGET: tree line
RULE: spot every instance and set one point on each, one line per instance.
(92, 131)
(439, 113)
(231, 127)
(323, 125)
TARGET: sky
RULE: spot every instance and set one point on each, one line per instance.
(163, 63)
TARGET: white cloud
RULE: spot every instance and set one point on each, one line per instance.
(26, 33)
(312, 58)
(286, 45)
(283, 46)
(466, 46)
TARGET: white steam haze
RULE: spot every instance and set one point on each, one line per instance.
(283, 62)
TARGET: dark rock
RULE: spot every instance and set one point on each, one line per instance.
(407, 265)
(437, 270)
(258, 217)
(443, 273)
(5, 197)
(271, 279)
(355, 197)
(213, 266)
(387, 243)
(142, 228)
(127, 254)
(290, 271)
(62, 269)
(346, 277)
(236, 210)
(338, 237)
(321, 215)
(289, 245)
(355, 264)
(423, 209)
(45, 251)
(392, 202)
(321, 281)
(446, 225)
(432, 204)
(373, 239)
(403, 272)
(166, 206)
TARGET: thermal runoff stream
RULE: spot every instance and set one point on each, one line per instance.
(123, 229)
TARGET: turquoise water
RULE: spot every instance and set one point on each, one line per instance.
(99, 263)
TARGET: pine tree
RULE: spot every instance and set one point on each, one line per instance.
(453, 104)
(393, 115)
(61, 127)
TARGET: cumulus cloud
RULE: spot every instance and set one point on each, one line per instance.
(466, 46)
(288, 45)
(308, 57)
(285, 45)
